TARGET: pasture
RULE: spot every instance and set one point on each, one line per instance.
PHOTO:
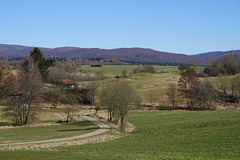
(153, 86)
(45, 127)
(35, 133)
(173, 135)
(150, 87)
(176, 135)
(117, 69)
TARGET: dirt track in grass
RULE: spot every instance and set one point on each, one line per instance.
(102, 129)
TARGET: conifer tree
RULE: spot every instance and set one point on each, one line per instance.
(42, 63)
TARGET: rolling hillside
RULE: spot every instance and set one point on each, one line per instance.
(206, 57)
(137, 55)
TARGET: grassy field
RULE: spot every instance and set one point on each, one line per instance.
(145, 84)
(45, 116)
(153, 84)
(25, 134)
(117, 69)
(172, 135)
(44, 131)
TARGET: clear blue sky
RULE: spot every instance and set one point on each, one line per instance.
(179, 26)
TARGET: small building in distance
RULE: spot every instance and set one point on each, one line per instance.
(96, 65)
(68, 83)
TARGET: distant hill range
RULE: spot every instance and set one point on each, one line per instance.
(130, 55)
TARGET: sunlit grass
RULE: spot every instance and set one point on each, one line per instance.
(175, 135)
(23, 134)
(117, 69)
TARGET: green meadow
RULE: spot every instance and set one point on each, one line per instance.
(171, 135)
(43, 130)
(25, 134)
(117, 69)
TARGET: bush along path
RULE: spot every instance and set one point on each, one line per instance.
(102, 129)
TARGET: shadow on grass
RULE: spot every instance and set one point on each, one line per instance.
(81, 123)
(5, 123)
(94, 128)
(47, 121)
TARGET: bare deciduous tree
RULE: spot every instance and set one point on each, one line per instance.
(172, 93)
(70, 99)
(69, 114)
(56, 75)
(27, 92)
(4, 67)
(92, 91)
(189, 86)
(194, 62)
(207, 94)
(237, 88)
(53, 96)
(152, 96)
(223, 84)
(117, 97)
(107, 99)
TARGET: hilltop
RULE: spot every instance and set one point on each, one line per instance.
(131, 55)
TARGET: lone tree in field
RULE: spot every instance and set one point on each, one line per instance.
(27, 91)
(117, 97)
(172, 94)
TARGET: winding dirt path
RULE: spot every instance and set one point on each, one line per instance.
(102, 129)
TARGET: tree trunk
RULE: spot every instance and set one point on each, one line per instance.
(122, 119)
(96, 110)
(110, 116)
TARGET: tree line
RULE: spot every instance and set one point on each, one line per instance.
(229, 65)
(202, 94)
(22, 90)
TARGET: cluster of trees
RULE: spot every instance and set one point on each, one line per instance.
(22, 89)
(195, 93)
(67, 70)
(66, 96)
(117, 98)
(12, 58)
(228, 88)
(202, 94)
(230, 65)
(144, 69)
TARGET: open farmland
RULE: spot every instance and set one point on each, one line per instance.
(117, 69)
(45, 127)
(155, 84)
(144, 83)
(26, 134)
(177, 135)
